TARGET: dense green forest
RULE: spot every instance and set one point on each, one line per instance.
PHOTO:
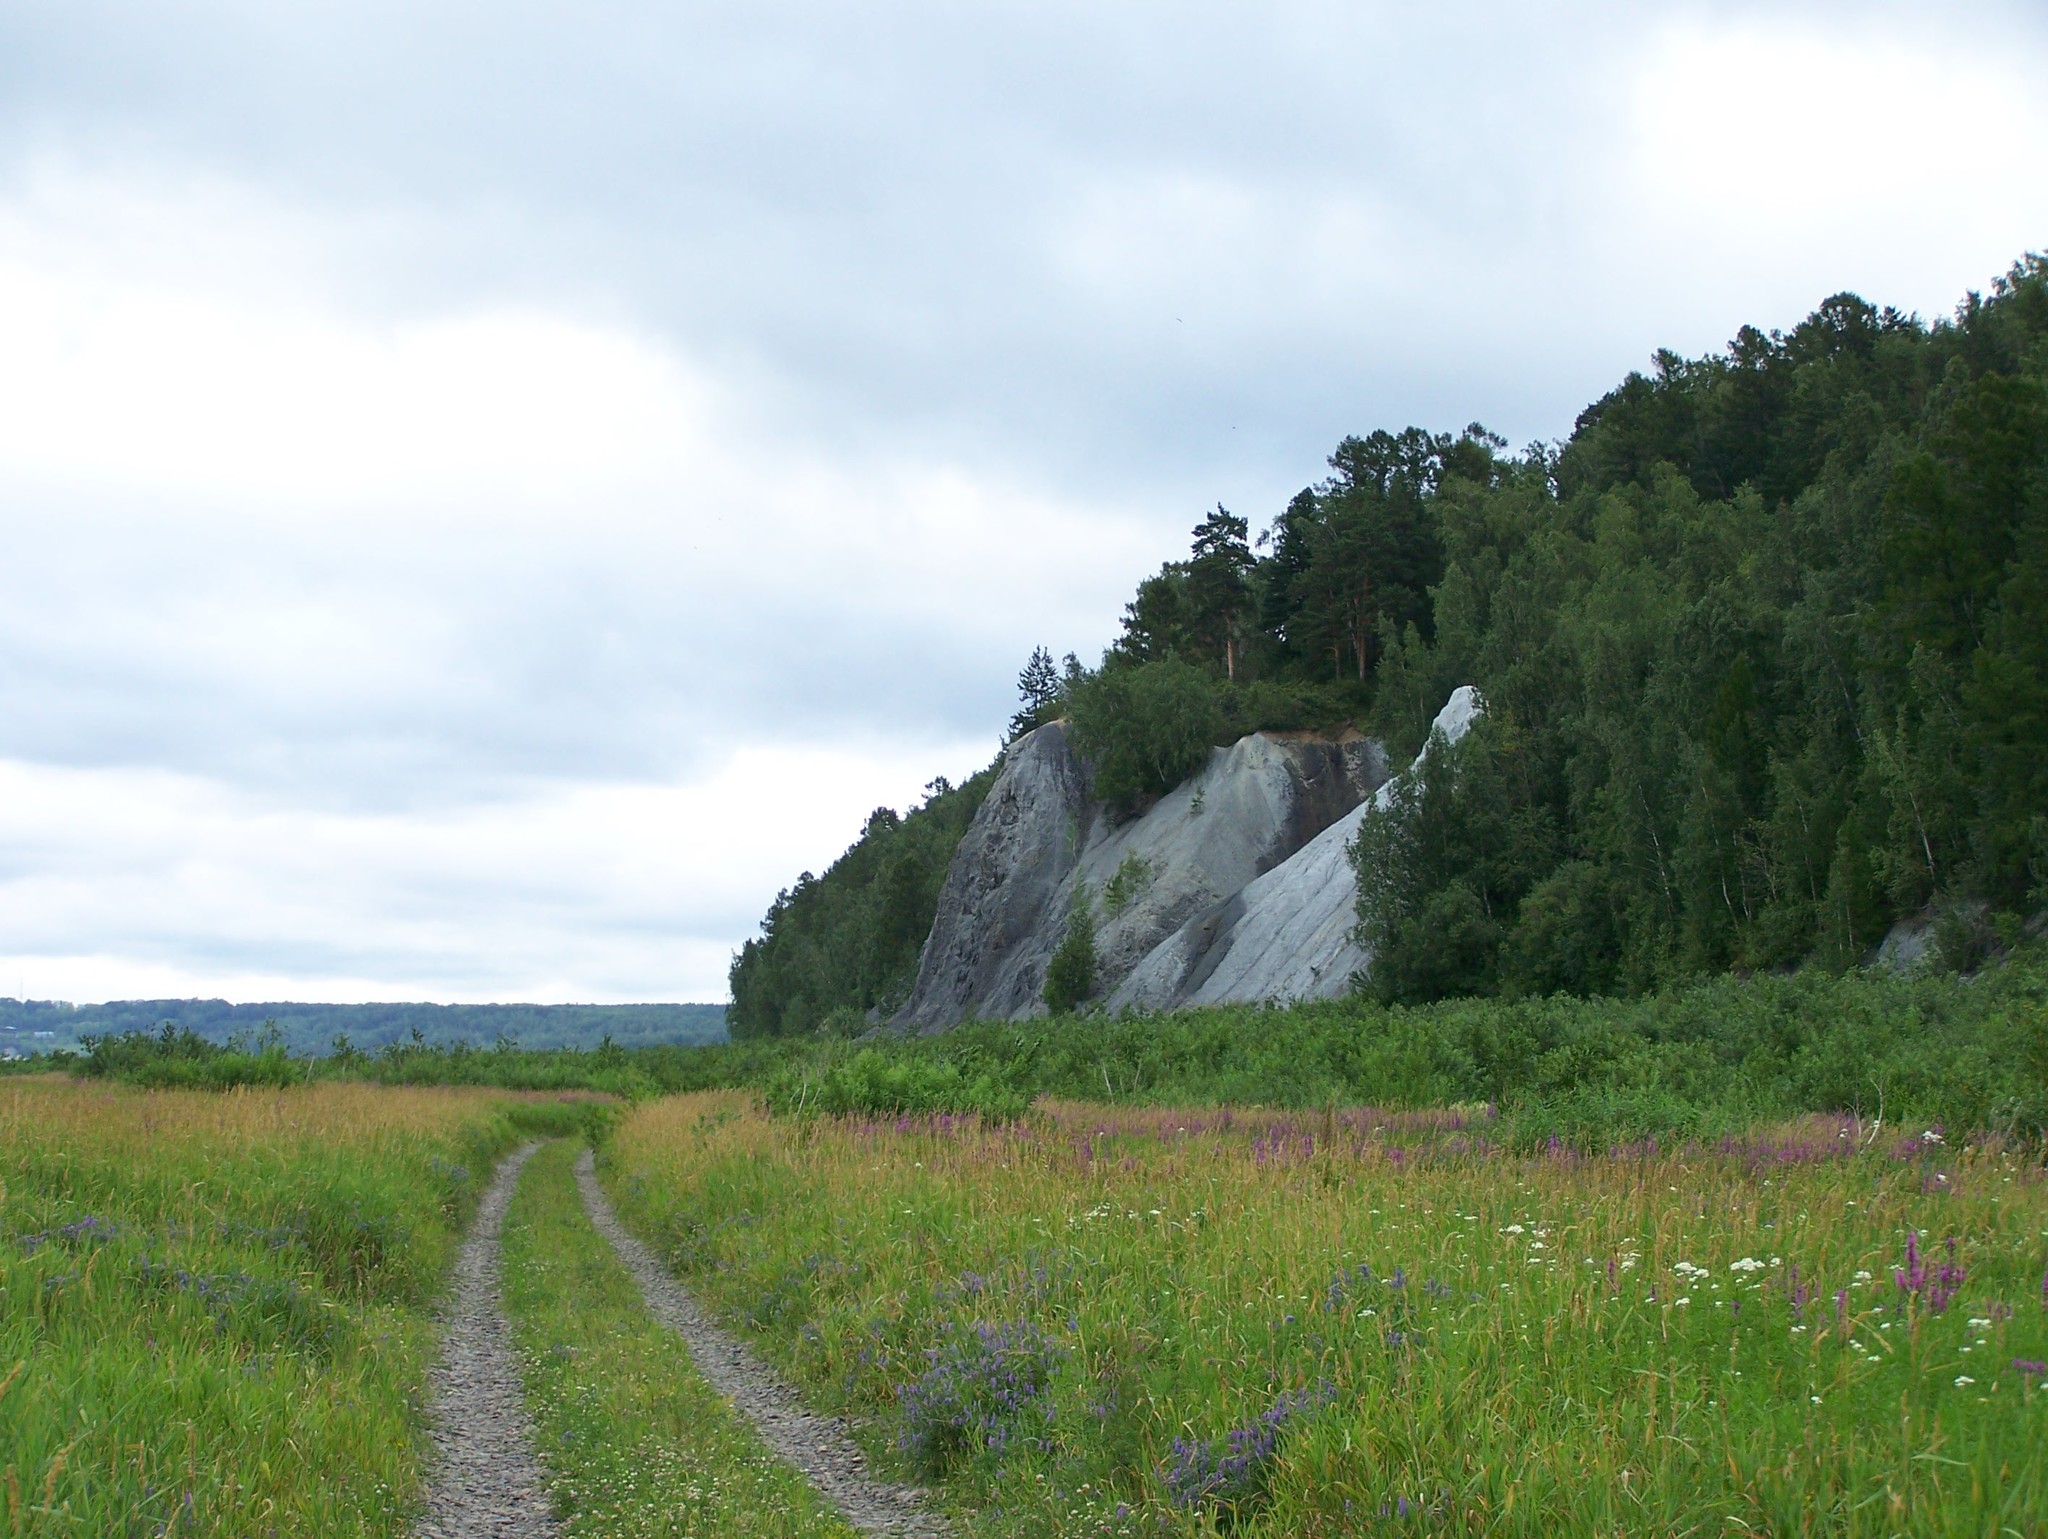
(837, 946)
(1763, 644)
(42, 1026)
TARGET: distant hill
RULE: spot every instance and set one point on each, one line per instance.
(30, 1026)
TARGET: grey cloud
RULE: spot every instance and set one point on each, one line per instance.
(1127, 259)
(859, 206)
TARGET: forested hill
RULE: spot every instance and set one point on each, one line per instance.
(309, 1029)
(1763, 644)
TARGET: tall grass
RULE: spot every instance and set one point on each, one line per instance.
(215, 1308)
(1169, 1320)
(1696, 1060)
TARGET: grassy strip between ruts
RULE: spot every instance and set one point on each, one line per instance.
(636, 1443)
(215, 1309)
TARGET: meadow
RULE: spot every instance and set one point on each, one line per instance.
(1105, 1320)
(1703, 1059)
(215, 1308)
(1751, 1256)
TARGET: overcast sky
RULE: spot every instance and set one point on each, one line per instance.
(491, 491)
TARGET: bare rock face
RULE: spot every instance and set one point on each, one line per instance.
(987, 951)
(1249, 808)
(1039, 845)
(1288, 933)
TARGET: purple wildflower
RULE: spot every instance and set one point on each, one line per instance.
(979, 1385)
(1936, 1285)
(1233, 1469)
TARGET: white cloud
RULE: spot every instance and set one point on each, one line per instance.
(422, 520)
(113, 879)
(1896, 160)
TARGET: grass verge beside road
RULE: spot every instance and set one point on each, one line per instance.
(215, 1308)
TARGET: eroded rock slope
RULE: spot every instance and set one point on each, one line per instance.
(1040, 841)
(1289, 934)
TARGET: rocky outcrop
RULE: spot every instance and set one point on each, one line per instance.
(1236, 886)
(988, 946)
(1040, 843)
(1288, 934)
(1250, 807)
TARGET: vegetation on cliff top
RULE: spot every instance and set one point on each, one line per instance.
(1764, 647)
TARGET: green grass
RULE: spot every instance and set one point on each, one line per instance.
(215, 1309)
(1069, 1318)
(636, 1443)
(1699, 1059)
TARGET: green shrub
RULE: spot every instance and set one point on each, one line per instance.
(1070, 975)
(1143, 728)
(1130, 879)
(874, 1084)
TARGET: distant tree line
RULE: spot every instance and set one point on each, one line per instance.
(1763, 645)
(307, 1029)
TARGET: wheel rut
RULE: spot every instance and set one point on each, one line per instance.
(487, 1480)
(816, 1445)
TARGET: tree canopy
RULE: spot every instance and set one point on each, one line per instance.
(1763, 644)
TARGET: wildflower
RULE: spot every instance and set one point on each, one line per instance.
(1746, 1264)
(1517, 1229)
(1932, 1137)
(1979, 1323)
(1860, 1278)
(1962, 1379)
(2029, 1367)
(977, 1386)
(1235, 1467)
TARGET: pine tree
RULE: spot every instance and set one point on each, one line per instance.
(1038, 685)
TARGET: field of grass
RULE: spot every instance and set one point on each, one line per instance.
(638, 1445)
(214, 1307)
(1170, 1321)
(1694, 1060)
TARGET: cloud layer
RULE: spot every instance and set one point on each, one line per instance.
(493, 492)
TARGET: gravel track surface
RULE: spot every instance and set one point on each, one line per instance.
(816, 1445)
(487, 1482)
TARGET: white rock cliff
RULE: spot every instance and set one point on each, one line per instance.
(1233, 888)
(1040, 840)
(1288, 934)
